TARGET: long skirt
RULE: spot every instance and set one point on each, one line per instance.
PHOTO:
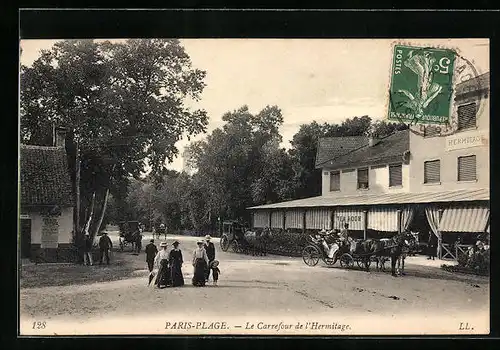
(200, 267)
(177, 277)
(164, 278)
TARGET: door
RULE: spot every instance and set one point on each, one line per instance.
(25, 238)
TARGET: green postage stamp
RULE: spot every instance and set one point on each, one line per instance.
(421, 86)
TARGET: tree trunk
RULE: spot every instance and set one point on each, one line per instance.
(101, 217)
(77, 195)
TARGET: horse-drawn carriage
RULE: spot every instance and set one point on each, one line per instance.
(130, 234)
(240, 239)
(361, 252)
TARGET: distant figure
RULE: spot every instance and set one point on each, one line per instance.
(210, 249)
(432, 246)
(175, 260)
(200, 264)
(151, 251)
(87, 250)
(105, 245)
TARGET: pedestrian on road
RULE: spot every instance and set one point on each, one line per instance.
(175, 261)
(432, 246)
(215, 271)
(164, 278)
(105, 245)
(200, 264)
(151, 252)
(210, 249)
(87, 250)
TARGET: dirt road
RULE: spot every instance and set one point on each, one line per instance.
(426, 300)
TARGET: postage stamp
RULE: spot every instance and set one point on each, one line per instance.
(265, 222)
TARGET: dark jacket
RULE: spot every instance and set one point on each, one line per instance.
(432, 240)
(210, 248)
(105, 242)
(87, 244)
(151, 251)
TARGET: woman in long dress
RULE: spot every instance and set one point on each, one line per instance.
(175, 261)
(164, 278)
(200, 263)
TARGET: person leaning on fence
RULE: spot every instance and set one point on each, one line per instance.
(105, 245)
(87, 250)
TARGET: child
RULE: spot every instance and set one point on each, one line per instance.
(215, 271)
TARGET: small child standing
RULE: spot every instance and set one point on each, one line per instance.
(215, 271)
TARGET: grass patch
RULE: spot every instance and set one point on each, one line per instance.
(49, 275)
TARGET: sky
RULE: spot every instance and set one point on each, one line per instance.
(327, 80)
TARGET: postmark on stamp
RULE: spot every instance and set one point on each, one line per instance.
(425, 84)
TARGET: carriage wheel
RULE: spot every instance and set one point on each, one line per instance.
(364, 263)
(346, 260)
(311, 255)
(224, 243)
(235, 247)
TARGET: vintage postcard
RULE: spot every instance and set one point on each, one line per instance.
(254, 186)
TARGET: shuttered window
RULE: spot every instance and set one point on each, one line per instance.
(432, 171)
(362, 178)
(467, 116)
(432, 130)
(467, 168)
(395, 175)
(335, 181)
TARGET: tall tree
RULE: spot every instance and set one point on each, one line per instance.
(124, 103)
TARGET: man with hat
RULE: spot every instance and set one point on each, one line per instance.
(105, 245)
(151, 251)
(210, 249)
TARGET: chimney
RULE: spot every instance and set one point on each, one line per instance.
(59, 137)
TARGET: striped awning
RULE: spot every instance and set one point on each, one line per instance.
(383, 219)
(464, 219)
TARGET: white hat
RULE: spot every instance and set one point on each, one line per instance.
(207, 237)
(323, 231)
(163, 244)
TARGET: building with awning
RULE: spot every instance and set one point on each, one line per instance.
(418, 179)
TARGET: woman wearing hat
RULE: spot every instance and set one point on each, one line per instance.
(200, 263)
(175, 261)
(164, 278)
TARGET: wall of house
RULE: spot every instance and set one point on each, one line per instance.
(65, 226)
(439, 147)
(378, 181)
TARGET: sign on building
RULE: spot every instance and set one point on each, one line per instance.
(355, 219)
(50, 232)
(468, 140)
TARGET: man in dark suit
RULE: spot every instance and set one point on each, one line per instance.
(210, 249)
(432, 246)
(105, 245)
(151, 251)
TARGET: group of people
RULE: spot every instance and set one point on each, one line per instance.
(105, 246)
(169, 264)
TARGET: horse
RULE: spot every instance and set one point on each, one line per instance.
(392, 248)
(257, 241)
(409, 249)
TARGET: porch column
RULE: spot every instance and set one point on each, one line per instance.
(304, 221)
(365, 224)
(284, 220)
(440, 248)
(399, 220)
(332, 217)
(269, 220)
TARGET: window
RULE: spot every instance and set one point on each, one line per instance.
(395, 175)
(362, 178)
(467, 116)
(432, 130)
(467, 168)
(432, 171)
(335, 181)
